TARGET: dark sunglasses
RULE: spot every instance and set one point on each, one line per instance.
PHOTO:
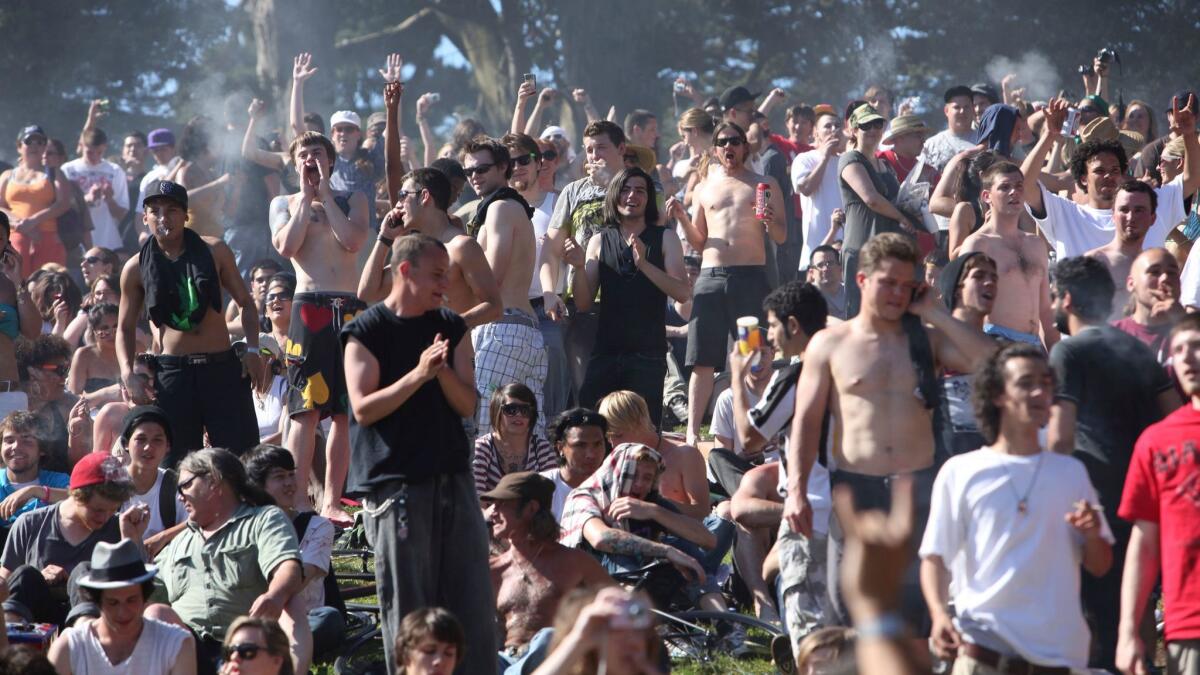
(405, 194)
(272, 297)
(872, 125)
(478, 169)
(586, 418)
(93, 259)
(185, 485)
(525, 160)
(549, 156)
(57, 369)
(34, 140)
(248, 651)
(732, 141)
(514, 409)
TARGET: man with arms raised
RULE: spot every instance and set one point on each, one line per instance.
(876, 375)
(733, 274)
(511, 348)
(320, 231)
(421, 206)
(535, 572)
(1098, 168)
(1023, 294)
(1133, 215)
(179, 276)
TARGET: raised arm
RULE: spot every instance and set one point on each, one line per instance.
(375, 282)
(945, 195)
(428, 140)
(524, 93)
(250, 149)
(774, 98)
(581, 97)
(392, 157)
(1183, 123)
(544, 99)
(774, 218)
(302, 69)
(1054, 114)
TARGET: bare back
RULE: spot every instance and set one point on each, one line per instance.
(508, 241)
(735, 236)
(322, 263)
(1021, 263)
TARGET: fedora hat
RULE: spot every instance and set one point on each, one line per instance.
(116, 566)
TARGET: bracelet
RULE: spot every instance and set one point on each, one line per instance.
(46, 493)
(387, 241)
(888, 626)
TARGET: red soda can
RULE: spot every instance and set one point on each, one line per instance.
(762, 195)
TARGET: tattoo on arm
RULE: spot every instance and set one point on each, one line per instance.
(624, 543)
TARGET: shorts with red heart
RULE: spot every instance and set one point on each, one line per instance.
(316, 379)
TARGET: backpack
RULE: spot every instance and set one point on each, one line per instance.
(333, 596)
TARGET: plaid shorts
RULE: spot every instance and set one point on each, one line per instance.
(506, 351)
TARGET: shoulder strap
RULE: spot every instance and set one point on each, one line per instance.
(301, 524)
(166, 498)
(921, 353)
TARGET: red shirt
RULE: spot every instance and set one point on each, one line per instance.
(1163, 487)
(1153, 337)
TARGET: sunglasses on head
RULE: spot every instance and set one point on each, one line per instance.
(247, 651)
(872, 125)
(514, 409)
(549, 156)
(731, 141)
(478, 169)
(56, 368)
(525, 160)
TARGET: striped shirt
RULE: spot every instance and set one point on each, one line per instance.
(489, 468)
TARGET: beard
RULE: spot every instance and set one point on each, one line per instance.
(1060, 322)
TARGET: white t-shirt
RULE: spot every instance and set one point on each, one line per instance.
(772, 416)
(316, 548)
(561, 490)
(816, 209)
(1073, 229)
(159, 172)
(151, 500)
(722, 417)
(1020, 573)
(155, 653)
(541, 223)
(269, 408)
(1189, 281)
(104, 226)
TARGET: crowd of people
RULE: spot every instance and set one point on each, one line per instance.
(951, 381)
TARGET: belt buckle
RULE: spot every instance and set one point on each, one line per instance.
(198, 359)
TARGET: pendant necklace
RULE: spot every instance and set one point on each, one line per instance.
(525, 570)
(1023, 500)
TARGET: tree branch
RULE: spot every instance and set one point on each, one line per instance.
(391, 30)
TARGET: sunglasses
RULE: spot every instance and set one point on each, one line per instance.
(34, 140)
(405, 194)
(549, 156)
(247, 651)
(57, 369)
(185, 485)
(478, 169)
(525, 160)
(272, 297)
(514, 409)
(93, 259)
(731, 141)
(872, 125)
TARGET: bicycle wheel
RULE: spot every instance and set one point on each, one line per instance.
(701, 636)
(363, 655)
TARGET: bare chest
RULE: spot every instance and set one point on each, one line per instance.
(866, 367)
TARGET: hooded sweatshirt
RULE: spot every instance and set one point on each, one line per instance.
(996, 128)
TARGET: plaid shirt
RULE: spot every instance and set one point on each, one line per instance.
(614, 479)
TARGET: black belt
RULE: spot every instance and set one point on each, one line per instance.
(1011, 665)
(195, 359)
(537, 303)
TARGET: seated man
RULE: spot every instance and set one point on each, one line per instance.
(238, 555)
(757, 509)
(581, 438)
(535, 572)
(138, 637)
(46, 545)
(24, 486)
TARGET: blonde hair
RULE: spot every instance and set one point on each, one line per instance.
(625, 412)
(837, 639)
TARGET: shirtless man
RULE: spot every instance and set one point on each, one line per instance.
(510, 349)
(1023, 294)
(733, 275)
(862, 373)
(533, 575)
(320, 231)
(1133, 214)
(421, 206)
(198, 381)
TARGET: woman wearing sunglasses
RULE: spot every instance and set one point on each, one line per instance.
(256, 647)
(33, 200)
(95, 373)
(868, 189)
(43, 365)
(511, 445)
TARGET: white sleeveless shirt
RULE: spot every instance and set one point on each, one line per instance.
(155, 652)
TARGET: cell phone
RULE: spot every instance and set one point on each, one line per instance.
(632, 614)
(530, 78)
(680, 85)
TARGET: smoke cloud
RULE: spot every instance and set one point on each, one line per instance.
(1034, 72)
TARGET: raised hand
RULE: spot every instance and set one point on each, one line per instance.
(527, 91)
(1055, 112)
(579, 95)
(392, 91)
(302, 67)
(257, 107)
(1183, 115)
(547, 96)
(391, 68)
(424, 103)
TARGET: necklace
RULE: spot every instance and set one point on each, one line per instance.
(1023, 500)
(526, 570)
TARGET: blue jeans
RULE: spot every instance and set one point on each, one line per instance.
(557, 393)
(642, 374)
(328, 628)
(709, 559)
(530, 659)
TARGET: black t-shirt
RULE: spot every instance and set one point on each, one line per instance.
(1114, 381)
(633, 316)
(424, 437)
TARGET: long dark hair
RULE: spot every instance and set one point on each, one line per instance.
(222, 465)
(613, 196)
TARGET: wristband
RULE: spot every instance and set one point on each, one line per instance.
(885, 627)
(387, 241)
(46, 493)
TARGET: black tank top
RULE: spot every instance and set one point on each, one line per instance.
(633, 311)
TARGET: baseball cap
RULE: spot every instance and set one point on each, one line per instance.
(864, 114)
(96, 468)
(523, 485)
(345, 117)
(823, 109)
(734, 96)
(160, 138)
(376, 118)
(985, 89)
(32, 130)
(165, 188)
(956, 91)
(550, 132)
